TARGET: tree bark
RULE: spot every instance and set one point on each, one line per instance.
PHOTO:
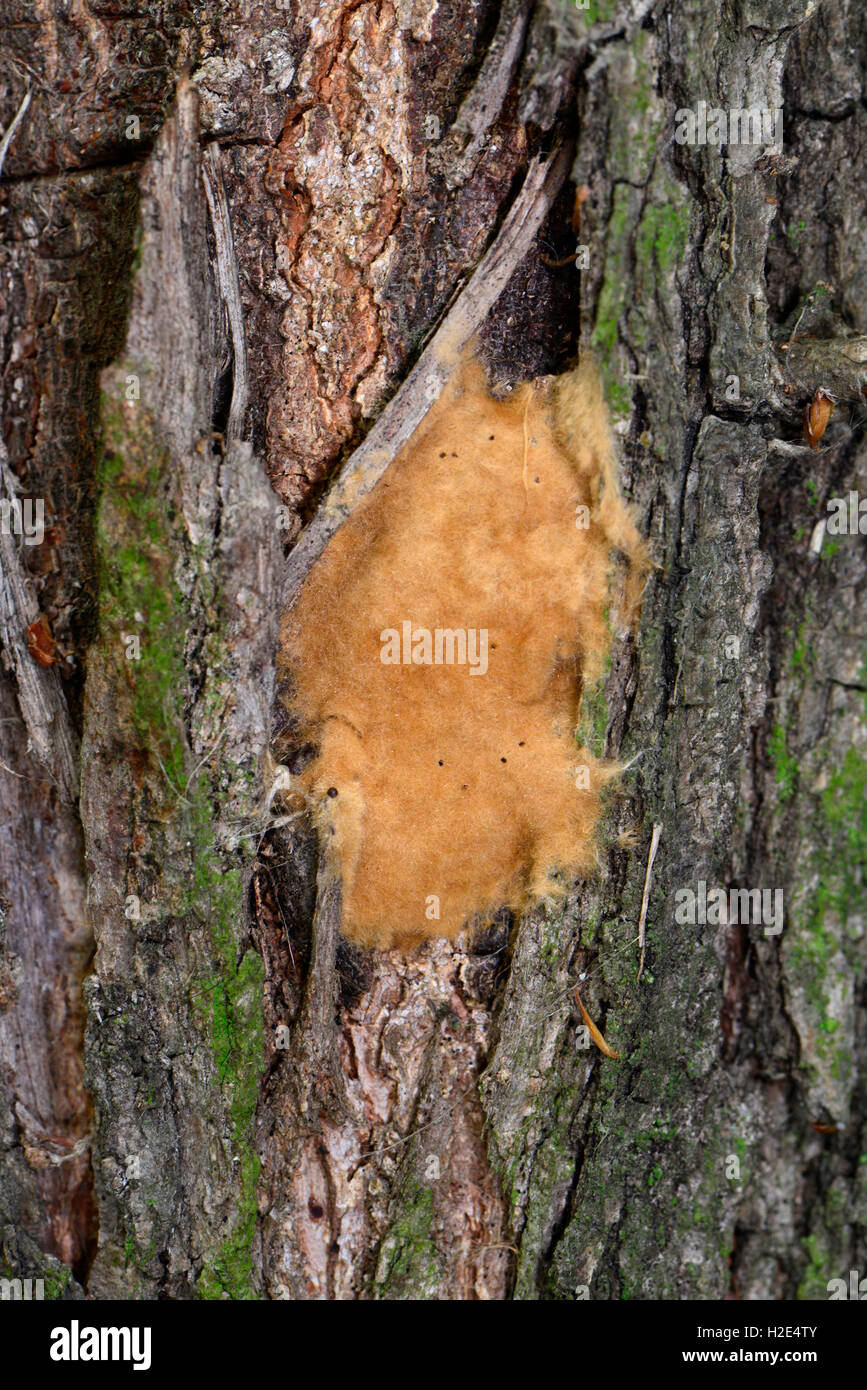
(231, 234)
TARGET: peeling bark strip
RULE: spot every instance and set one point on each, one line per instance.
(227, 275)
(484, 103)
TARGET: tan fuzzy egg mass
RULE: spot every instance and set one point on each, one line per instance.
(438, 653)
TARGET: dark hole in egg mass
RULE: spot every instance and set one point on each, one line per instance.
(440, 762)
(316, 1211)
(332, 791)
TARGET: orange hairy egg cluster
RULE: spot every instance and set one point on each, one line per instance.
(439, 650)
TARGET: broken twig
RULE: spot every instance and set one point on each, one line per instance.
(654, 845)
(10, 134)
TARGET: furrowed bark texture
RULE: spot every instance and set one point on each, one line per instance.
(229, 231)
